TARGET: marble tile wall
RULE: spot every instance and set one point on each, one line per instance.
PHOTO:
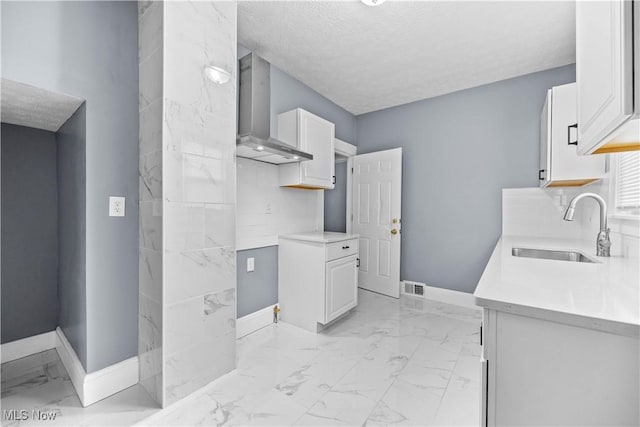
(150, 57)
(199, 193)
(187, 196)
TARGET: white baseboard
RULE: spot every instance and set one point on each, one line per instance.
(27, 346)
(254, 321)
(99, 384)
(447, 296)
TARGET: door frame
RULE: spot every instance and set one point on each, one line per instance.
(349, 194)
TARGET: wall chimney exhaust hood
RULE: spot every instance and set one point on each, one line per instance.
(254, 139)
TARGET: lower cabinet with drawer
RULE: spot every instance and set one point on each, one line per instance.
(317, 278)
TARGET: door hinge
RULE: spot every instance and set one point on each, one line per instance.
(334, 179)
(357, 262)
(481, 334)
(351, 170)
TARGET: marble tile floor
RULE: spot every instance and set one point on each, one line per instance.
(40, 385)
(390, 362)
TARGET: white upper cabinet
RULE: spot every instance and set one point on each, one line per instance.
(315, 135)
(608, 120)
(560, 164)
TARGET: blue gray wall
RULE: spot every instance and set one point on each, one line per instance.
(90, 50)
(459, 151)
(335, 202)
(72, 295)
(29, 232)
(259, 289)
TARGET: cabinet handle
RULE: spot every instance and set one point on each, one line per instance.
(345, 247)
(540, 172)
(334, 179)
(569, 141)
(357, 262)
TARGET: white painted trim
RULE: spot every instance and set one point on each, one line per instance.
(27, 346)
(447, 296)
(254, 321)
(344, 150)
(349, 194)
(97, 385)
(71, 363)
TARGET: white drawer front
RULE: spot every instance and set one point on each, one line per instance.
(342, 249)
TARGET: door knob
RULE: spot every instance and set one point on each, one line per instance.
(394, 231)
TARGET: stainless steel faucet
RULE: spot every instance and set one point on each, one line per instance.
(603, 242)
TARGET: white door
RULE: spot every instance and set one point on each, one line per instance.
(377, 191)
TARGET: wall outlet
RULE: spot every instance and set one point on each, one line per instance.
(116, 206)
(250, 264)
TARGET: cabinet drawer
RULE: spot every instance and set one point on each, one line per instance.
(342, 249)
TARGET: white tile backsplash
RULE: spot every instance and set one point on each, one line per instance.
(539, 212)
(266, 210)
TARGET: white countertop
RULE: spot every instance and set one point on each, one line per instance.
(320, 236)
(602, 296)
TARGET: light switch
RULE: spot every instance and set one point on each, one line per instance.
(250, 264)
(116, 206)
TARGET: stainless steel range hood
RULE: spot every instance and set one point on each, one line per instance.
(254, 139)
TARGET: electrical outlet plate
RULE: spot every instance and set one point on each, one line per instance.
(250, 264)
(116, 206)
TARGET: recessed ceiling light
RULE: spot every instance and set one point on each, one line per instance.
(373, 2)
(259, 148)
(217, 74)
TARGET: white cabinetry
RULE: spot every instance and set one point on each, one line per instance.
(560, 164)
(606, 66)
(317, 278)
(545, 373)
(315, 135)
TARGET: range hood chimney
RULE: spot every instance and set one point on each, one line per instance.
(254, 117)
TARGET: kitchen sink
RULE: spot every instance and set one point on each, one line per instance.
(571, 256)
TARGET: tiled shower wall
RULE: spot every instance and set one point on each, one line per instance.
(191, 222)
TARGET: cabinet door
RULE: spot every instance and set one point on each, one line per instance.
(341, 287)
(545, 141)
(317, 137)
(567, 166)
(604, 66)
(484, 375)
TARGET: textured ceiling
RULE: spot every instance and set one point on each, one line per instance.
(368, 58)
(33, 107)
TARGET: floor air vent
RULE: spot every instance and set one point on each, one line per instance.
(413, 288)
(408, 288)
